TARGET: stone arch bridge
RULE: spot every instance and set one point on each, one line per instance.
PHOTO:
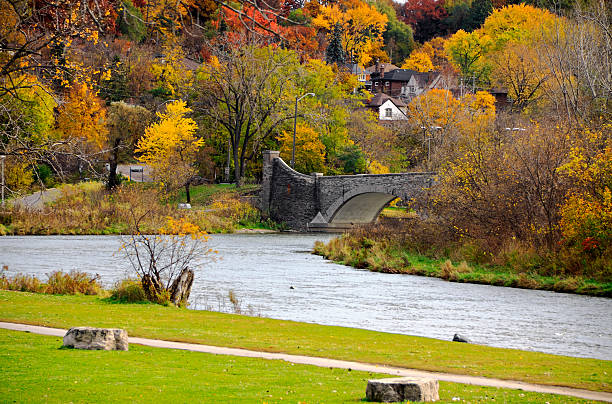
(331, 203)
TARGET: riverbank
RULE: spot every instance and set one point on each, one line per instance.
(212, 328)
(388, 256)
(88, 209)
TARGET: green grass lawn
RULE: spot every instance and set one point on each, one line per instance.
(36, 369)
(152, 321)
(202, 195)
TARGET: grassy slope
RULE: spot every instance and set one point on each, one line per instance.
(202, 195)
(35, 369)
(305, 339)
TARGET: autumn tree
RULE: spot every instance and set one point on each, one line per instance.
(398, 36)
(164, 262)
(83, 116)
(249, 92)
(26, 132)
(418, 61)
(426, 18)
(577, 59)
(519, 69)
(440, 122)
(378, 143)
(586, 215)
(362, 28)
(471, 52)
(467, 52)
(35, 37)
(309, 150)
(170, 147)
(126, 124)
(329, 111)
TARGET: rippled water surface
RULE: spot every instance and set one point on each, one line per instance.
(274, 275)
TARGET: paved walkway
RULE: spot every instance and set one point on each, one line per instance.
(37, 200)
(333, 363)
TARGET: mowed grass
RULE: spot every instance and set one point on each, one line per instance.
(169, 323)
(36, 369)
(202, 195)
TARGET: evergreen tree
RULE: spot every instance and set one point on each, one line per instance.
(335, 52)
(480, 10)
(130, 21)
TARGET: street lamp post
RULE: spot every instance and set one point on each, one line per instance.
(2, 160)
(295, 126)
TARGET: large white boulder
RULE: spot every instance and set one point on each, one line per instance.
(96, 338)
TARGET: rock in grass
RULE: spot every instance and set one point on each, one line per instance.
(108, 339)
(459, 338)
(402, 389)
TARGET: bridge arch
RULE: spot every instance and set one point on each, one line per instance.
(360, 205)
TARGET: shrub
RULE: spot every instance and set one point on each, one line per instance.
(58, 282)
(21, 283)
(61, 283)
(128, 291)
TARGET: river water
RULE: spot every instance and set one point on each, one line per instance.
(274, 275)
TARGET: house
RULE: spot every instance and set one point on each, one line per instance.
(388, 108)
(403, 83)
(378, 67)
(360, 72)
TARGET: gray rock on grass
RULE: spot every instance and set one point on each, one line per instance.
(108, 339)
(402, 389)
(459, 338)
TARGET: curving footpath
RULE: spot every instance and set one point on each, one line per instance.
(334, 363)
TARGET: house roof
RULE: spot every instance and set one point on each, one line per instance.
(380, 98)
(423, 79)
(387, 67)
(356, 69)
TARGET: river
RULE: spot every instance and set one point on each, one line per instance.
(274, 275)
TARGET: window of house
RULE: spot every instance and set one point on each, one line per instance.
(387, 83)
(388, 112)
(376, 84)
(411, 89)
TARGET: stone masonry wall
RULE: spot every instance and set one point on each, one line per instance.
(292, 196)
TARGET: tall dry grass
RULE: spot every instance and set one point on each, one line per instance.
(58, 283)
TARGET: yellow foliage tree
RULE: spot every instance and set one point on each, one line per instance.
(445, 124)
(362, 28)
(520, 69)
(170, 73)
(467, 50)
(418, 61)
(170, 147)
(518, 23)
(586, 216)
(83, 116)
(309, 150)
(434, 48)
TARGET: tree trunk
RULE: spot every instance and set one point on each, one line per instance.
(187, 194)
(237, 172)
(181, 287)
(113, 181)
(152, 288)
